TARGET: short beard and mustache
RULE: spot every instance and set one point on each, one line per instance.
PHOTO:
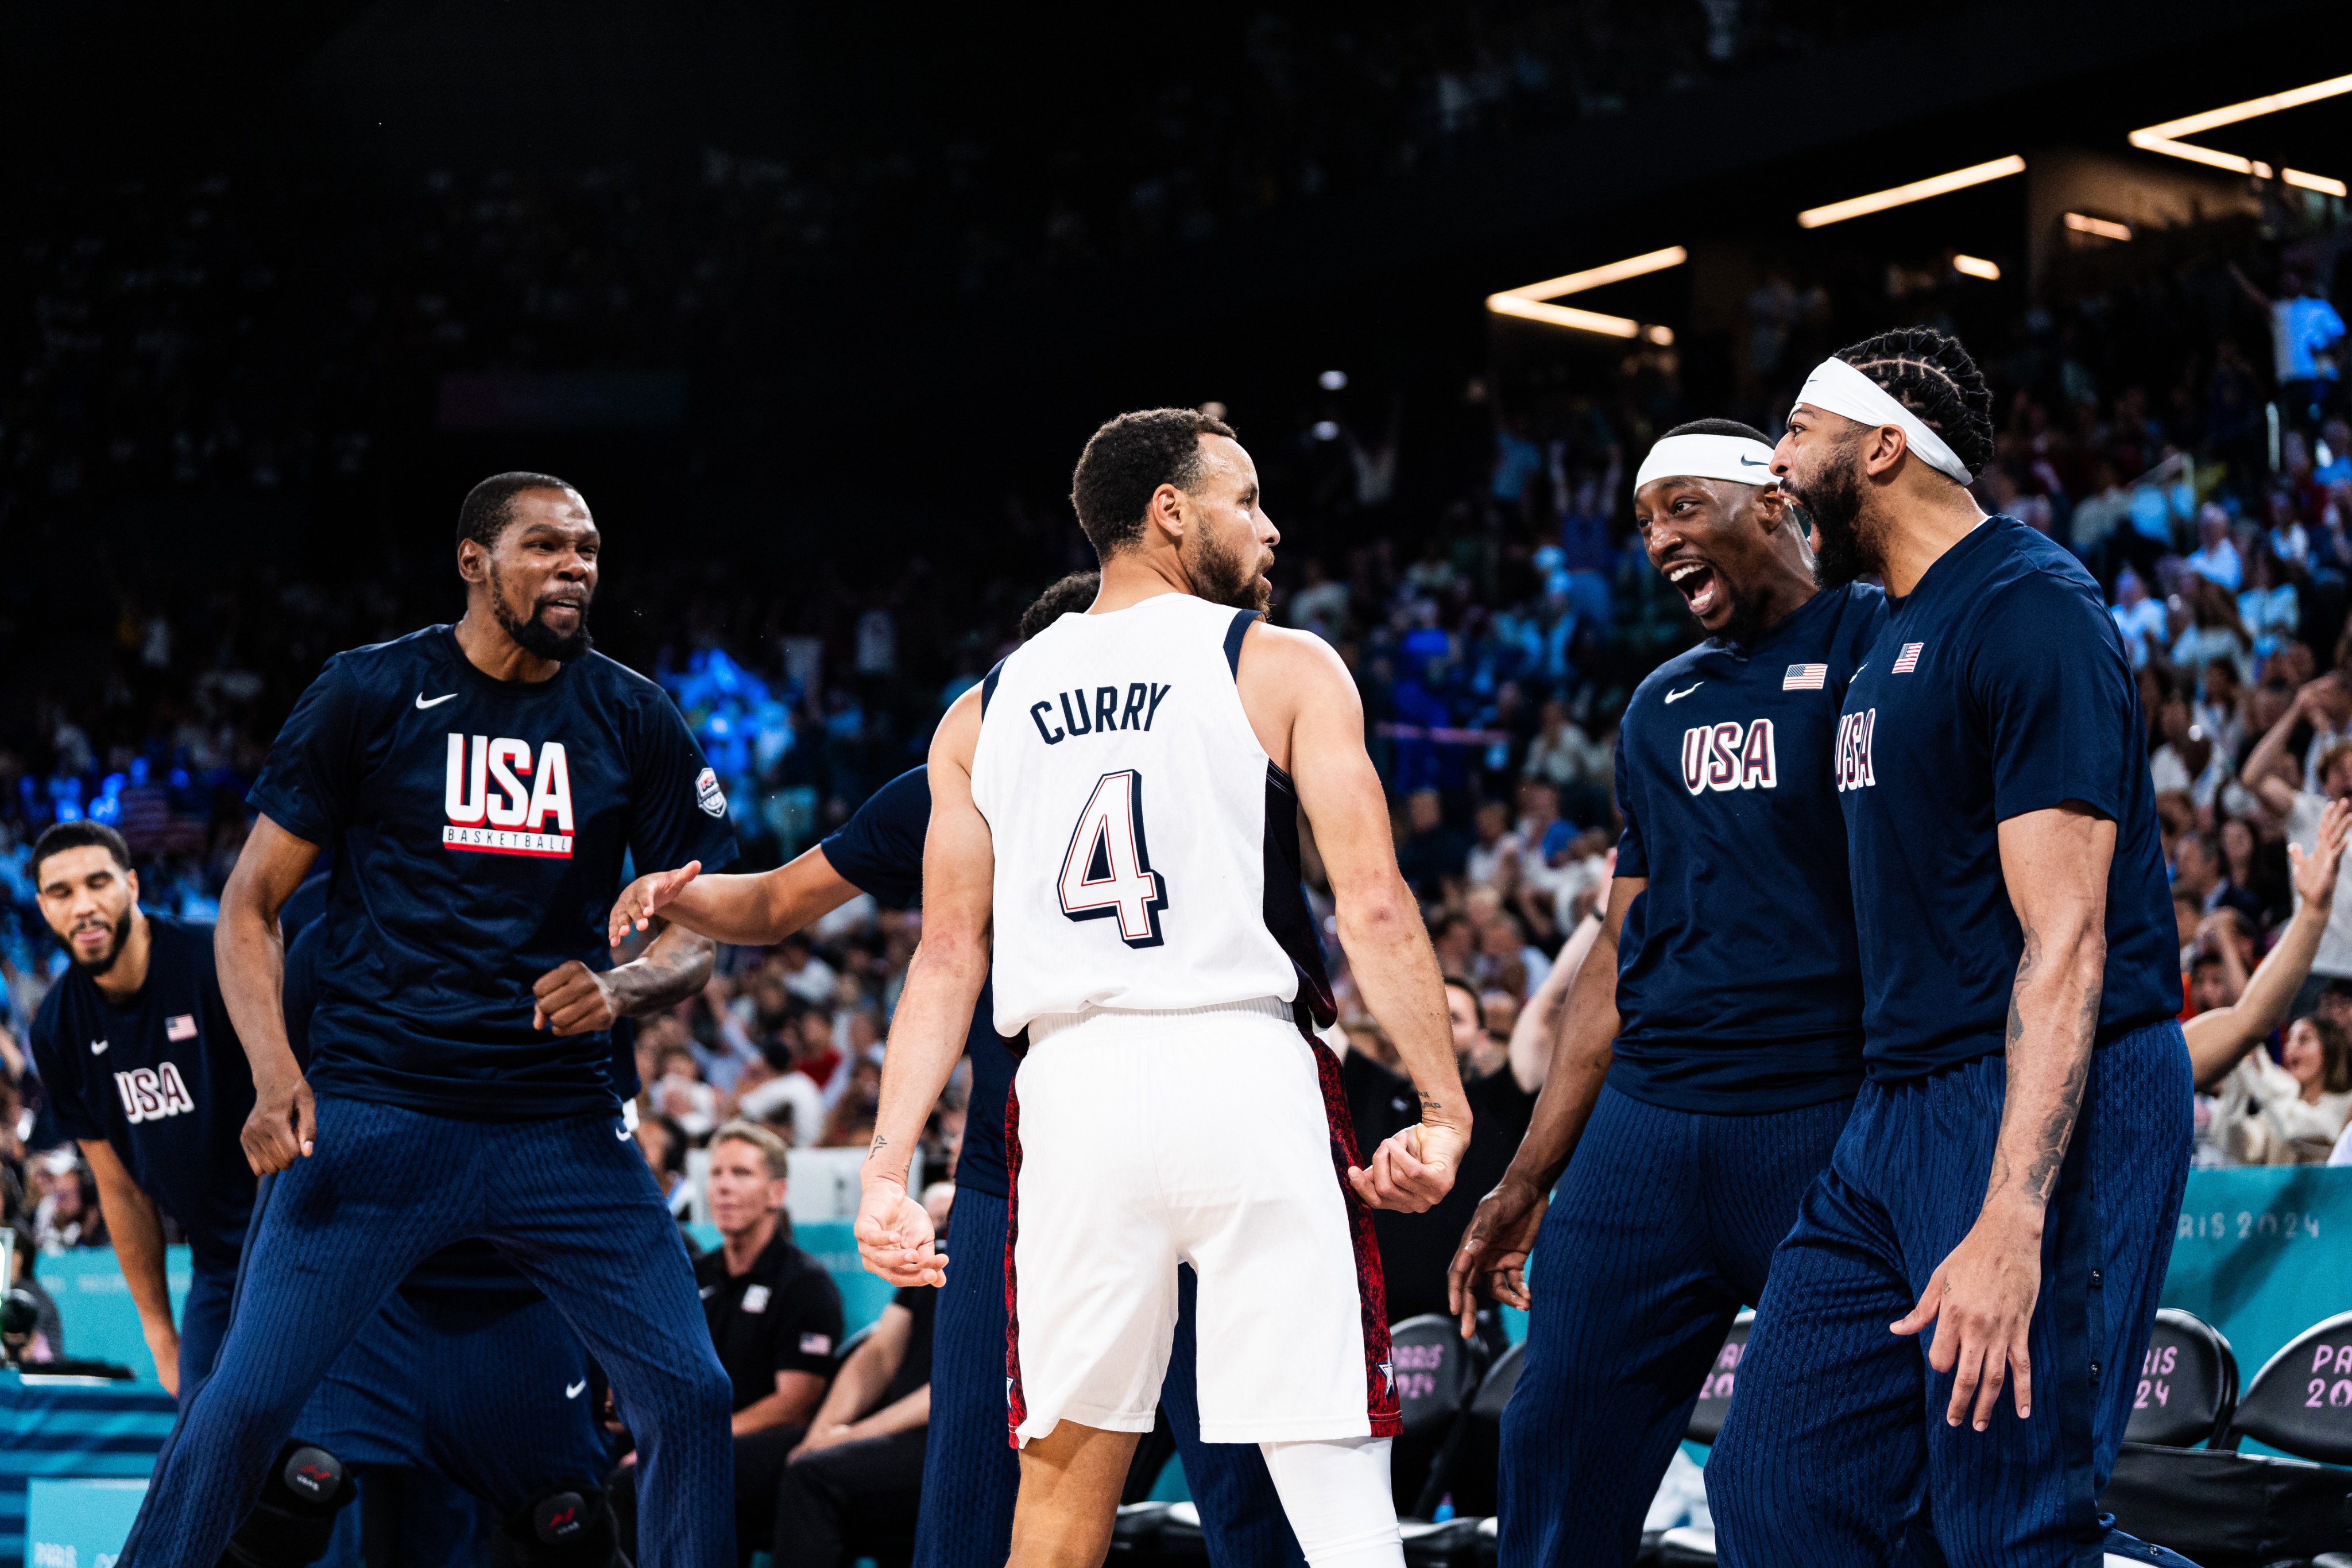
(1832, 502)
(1223, 577)
(106, 960)
(535, 636)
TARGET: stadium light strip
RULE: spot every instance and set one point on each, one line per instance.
(1977, 267)
(2084, 224)
(1564, 316)
(2165, 138)
(1916, 190)
(1528, 301)
(1594, 277)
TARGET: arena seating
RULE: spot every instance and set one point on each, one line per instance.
(2187, 1383)
(2222, 1508)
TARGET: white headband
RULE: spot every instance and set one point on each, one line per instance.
(1838, 387)
(1732, 457)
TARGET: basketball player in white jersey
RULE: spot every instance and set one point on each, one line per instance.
(1122, 796)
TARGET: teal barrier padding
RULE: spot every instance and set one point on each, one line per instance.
(94, 1304)
(80, 1521)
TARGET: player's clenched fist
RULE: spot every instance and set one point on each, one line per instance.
(572, 998)
(644, 898)
(895, 1236)
(1413, 1169)
(283, 1126)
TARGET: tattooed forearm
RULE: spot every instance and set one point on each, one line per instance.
(2053, 1014)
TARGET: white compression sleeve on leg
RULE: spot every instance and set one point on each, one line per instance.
(1336, 1495)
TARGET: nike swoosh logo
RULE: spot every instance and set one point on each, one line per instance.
(1864, 665)
(1677, 696)
(1746, 462)
(98, 1047)
(573, 1391)
(422, 705)
(622, 1133)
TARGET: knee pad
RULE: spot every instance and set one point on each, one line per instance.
(294, 1519)
(572, 1528)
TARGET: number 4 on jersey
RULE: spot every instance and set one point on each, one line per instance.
(1108, 872)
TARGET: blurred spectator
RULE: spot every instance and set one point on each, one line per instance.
(1431, 853)
(775, 1321)
(2292, 1111)
(680, 1095)
(46, 1343)
(69, 1215)
(2216, 556)
(851, 1124)
(2140, 618)
(2307, 336)
(859, 1469)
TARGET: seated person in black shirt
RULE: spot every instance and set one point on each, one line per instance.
(860, 1468)
(1500, 1084)
(775, 1318)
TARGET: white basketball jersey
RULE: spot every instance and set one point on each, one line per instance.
(1146, 846)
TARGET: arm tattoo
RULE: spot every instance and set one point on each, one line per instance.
(2047, 1154)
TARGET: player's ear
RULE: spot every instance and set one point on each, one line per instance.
(1165, 511)
(473, 560)
(1771, 508)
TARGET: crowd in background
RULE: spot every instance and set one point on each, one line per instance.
(2178, 422)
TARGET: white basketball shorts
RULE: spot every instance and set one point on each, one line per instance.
(1213, 1136)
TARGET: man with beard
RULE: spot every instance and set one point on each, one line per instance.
(2014, 1163)
(1707, 1051)
(479, 785)
(1115, 823)
(969, 1475)
(145, 1070)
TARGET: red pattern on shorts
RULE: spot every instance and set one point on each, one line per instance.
(1371, 1288)
(1016, 1408)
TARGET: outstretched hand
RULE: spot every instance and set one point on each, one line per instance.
(2314, 873)
(1412, 1170)
(646, 897)
(895, 1238)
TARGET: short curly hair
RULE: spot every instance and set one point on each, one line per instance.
(488, 506)
(1126, 461)
(1070, 596)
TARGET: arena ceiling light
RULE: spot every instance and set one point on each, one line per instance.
(1529, 301)
(1916, 190)
(1976, 266)
(2165, 138)
(2084, 224)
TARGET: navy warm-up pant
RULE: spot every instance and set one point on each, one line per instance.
(1837, 1436)
(452, 1388)
(204, 1322)
(971, 1473)
(1661, 1229)
(569, 1201)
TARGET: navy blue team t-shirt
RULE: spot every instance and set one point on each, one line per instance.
(1739, 981)
(478, 829)
(164, 1080)
(1999, 686)
(880, 851)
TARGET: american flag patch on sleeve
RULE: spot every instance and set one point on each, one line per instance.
(1908, 660)
(180, 1026)
(1805, 678)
